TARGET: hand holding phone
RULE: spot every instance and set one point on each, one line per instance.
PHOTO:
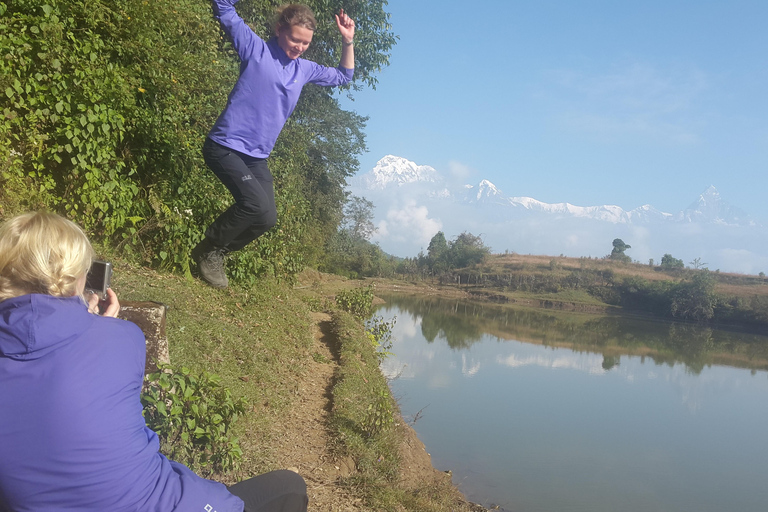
(108, 307)
(98, 279)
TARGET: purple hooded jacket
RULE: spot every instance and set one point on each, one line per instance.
(268, 88)
(72, 436)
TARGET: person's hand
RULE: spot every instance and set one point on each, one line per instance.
(346, 26)
(108, 307)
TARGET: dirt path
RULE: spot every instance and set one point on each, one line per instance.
(303, 435)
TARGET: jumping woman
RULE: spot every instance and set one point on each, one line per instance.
(272, 74)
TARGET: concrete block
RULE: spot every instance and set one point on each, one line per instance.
(150, 317)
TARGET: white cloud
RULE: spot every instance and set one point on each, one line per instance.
(469, 368)
(561, 359)
(382, 230)
(641, 242)
(409, 225)
(406, 327)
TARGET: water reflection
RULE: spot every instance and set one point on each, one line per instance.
(461, 324)
(547, 411)
(462, 359)
(563, 360)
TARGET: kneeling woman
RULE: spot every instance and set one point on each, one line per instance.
(72, 436)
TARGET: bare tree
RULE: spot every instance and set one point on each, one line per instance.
(697, 263)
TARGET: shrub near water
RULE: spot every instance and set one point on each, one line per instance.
(358, 301)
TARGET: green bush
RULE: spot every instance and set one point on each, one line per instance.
(380, 415)
(380, 333)
(358, 302)
(193, 417)
(64, 111)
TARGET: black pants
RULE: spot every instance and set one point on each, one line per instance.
(250, 183)
(278, 491)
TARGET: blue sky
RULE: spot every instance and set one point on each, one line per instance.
(589, 102)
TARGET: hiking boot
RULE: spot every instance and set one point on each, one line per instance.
(210, 264)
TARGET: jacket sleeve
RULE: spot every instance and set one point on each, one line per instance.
(245, 40)
(328, 77)
(202, 494)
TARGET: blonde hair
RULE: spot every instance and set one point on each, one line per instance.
(43, 253)
(295, 14)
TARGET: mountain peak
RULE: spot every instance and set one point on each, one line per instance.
(487, 189)
(395, 170)
(709, 207)
(710, 194)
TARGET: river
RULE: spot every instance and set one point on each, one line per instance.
(540, 411)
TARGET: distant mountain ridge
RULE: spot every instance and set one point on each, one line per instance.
(393, 171)
(413, 202)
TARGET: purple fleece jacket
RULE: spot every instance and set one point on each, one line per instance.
(268, 88)
(72, 436)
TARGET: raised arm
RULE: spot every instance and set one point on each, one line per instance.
(243, 38)
(347, 29)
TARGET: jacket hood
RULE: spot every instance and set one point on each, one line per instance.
(33, 325)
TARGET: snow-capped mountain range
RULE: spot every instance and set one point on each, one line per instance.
(397, 172)
(413, 202)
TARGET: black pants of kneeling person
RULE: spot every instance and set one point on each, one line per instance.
(278, 491)
(249, 181)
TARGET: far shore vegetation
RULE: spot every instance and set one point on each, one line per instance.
(669, 289)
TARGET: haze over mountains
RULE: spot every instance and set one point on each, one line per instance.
(414, 201)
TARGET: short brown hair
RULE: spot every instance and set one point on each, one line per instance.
(43, 253)
(295, 14)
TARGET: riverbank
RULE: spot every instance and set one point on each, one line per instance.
(695, 295)
(309, 375)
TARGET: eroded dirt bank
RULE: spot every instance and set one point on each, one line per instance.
(305, 444)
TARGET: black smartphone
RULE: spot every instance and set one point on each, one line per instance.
(98, 278)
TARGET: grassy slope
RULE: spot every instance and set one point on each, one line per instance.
(255, 340)
(259, 342)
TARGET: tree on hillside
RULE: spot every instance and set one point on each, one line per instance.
(617, 253)
(437, 252)
(697, 263)
(668, 262)
(358, 218)
(467, 250)
(349, 252)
